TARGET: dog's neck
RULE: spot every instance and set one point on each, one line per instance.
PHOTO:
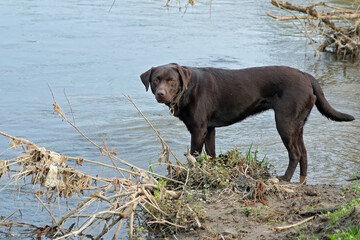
(174, 106)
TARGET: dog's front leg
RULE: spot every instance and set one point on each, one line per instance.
(197, 140)
(210, 142)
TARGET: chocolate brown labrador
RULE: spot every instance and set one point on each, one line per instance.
(206, 98)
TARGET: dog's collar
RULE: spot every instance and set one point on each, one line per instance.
(172, 108)
(174, 105)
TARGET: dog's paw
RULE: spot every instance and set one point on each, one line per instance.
(283, 178)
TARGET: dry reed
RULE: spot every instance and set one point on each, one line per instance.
(146, 200)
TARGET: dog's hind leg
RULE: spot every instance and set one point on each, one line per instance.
(289, 135)
(290, 119)
(303, 158)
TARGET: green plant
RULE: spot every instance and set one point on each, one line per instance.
(344, 211)
(248, 156)
(158, 193)
(303, 236)
(199, 210)
(139, 233)
(247, 211)
(347, 234)
(256, 212)
(356, 188)
(251, 211)
(151, 169)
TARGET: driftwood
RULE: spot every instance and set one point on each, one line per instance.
(49, 170)
(119, 198)
(340, 27)
(144, 199)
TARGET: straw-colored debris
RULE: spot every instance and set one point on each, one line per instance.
(162, 202)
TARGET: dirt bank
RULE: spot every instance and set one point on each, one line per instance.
(227, 217)
(233, 196)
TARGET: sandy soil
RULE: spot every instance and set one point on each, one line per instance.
(227, 217)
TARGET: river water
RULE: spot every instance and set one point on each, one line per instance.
(96, 55)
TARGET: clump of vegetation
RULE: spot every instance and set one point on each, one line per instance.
(224, 173)
(164, 203)
(150, 203)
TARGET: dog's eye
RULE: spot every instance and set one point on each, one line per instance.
(170, 81)
(156, 80)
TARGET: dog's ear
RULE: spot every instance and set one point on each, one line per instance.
(145, 78)
(185, 75)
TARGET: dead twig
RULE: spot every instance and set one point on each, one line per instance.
(340, 17)
(340, 27)
(18, 210)
(294, 225)
(156, 132)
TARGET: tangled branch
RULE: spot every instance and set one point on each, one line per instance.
(339, 27)
(161, 202)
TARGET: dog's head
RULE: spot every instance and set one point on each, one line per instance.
(166, 81)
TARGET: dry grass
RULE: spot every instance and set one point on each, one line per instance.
(119, 198)
(148, 202)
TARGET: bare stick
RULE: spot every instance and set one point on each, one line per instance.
(113, 3)
(118, 229)
(296, 224)
(307, 10)
(153, 128)
(47, 209)
(110, 156)
(163, 221)
(9, 216)
(105, 165)
(107, 227)
(82, 204)
(279, 5)
(131, 230)
(7, 135)
(17, 224)
(339, 17)
(88, 223)
(72, 113)
(57, 110)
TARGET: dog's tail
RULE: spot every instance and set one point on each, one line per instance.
(324, 106)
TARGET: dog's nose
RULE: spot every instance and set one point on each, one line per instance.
(160, 93)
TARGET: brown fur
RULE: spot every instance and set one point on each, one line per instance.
(206, 98)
